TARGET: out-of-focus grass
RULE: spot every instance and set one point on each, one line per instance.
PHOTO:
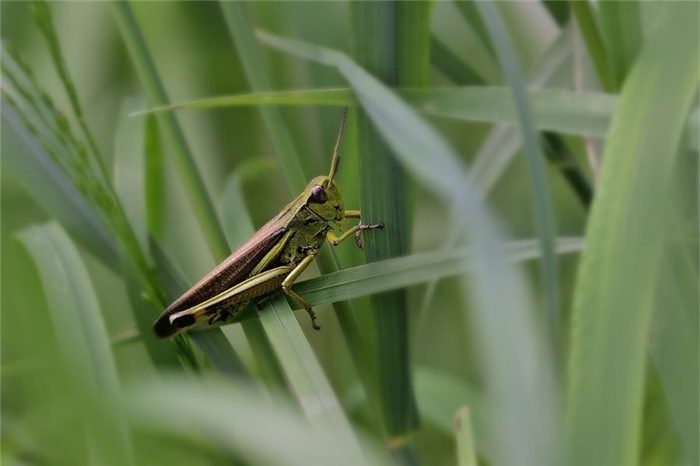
(136, 224)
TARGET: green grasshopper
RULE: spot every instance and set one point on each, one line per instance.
(272, 259)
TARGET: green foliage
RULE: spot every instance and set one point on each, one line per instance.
(115, 200)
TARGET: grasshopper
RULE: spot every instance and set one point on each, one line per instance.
(272, 259)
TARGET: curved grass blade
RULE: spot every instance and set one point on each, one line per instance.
(306, 379)
(613, 297)
(82, 340)
(385, 196)
(507, 364)
(412, 270)
(621, 29)
(575, 113)
(544, 211)
(583, 11)
(674, 336)
(235, 418)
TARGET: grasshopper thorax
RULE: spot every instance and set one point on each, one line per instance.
(322, 196)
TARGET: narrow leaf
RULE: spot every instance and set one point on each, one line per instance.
(82, 339)
(615, 286)
(575, 113)
(544, 211)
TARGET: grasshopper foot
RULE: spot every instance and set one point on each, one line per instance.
(361, 228)
(312, 314)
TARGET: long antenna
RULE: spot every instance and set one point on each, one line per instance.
(336, 155)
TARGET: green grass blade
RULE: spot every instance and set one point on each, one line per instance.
(172, 132)
(586, 113)
(306, 379)
(507, 365)
(674, 338)
(502, 143)
(583, 11)
(466, 450)
(621, 28)
(544, 211)
(235, 418)
(575, 113)
(82, 340)
(612, 305)
(384, 196)
(412, 270)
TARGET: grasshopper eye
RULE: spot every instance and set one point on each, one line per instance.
(318, 195)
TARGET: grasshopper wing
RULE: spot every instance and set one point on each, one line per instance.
(229, 273)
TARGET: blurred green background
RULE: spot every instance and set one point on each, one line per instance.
(617, 384)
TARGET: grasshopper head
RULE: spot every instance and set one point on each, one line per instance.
(323, 197)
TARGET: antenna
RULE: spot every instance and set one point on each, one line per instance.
(336, 155)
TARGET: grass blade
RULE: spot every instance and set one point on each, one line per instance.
(466, 450)
(575, 113)
(583, 11)
(410, 139)
(306, 379)
(674, 336)
(612, 311)
(544, 211)
(621, 28)
(82, 339)
(502, 143)
(412, 270)
(238, 420)
(384, 196)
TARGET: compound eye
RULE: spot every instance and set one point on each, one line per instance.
(318, 195)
